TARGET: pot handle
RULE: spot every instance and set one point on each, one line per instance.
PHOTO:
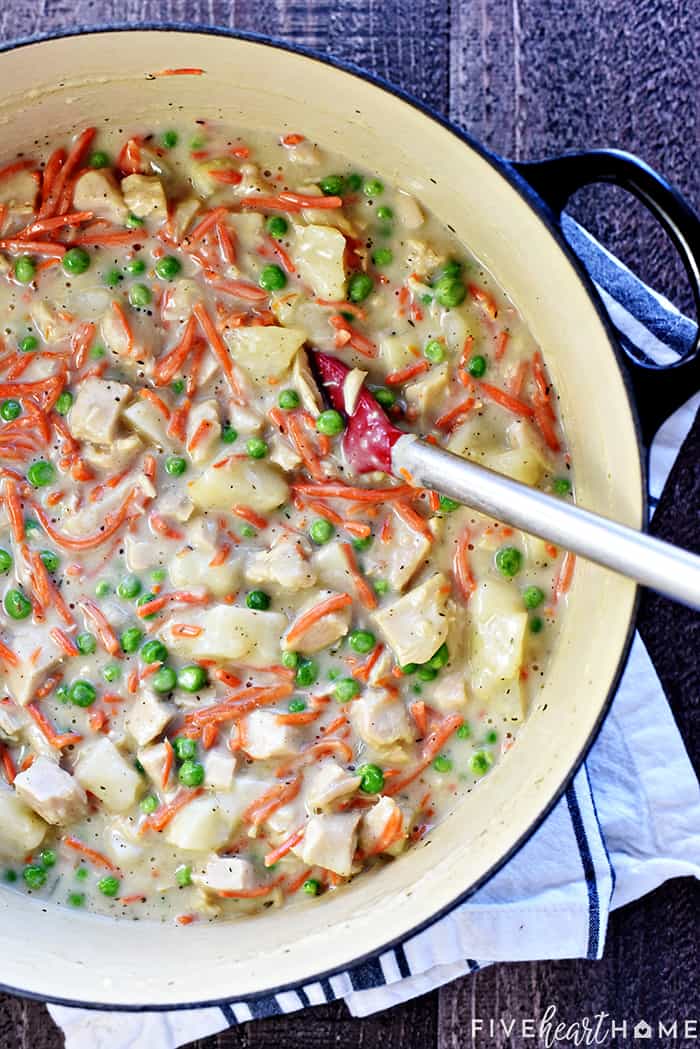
(659, 389)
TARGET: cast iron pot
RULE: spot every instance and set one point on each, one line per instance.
(62, 84)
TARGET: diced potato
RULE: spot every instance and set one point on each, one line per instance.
(120, 844)
(231, 633)
(330, 841)
(227, 874)
(243, 792)
(286, 564)
(103, 771)
(48, 321)
(148, 422)
(329, 628)
(116, 456)
(395, 350)
(37, 655)
(98, 192)
(425, 395)
(142, 554)
(328, 782)
(507, 703)
(249, 229)
(203, 424)
(380, 719)
(332, 568)
(319, 253)
(518, 463)
(200, 174)
(12, 721)
(97, 409)
(449, 692)
(416, 625)
(263, 736)
(399, 560)
(144, 195)
(147, 716)
(282, 454)
(219, 768)
(421, 257)
(265, 351)
(252, 483)
(192, 568)
(408, 210)
(498, 634)
(21, 830)
(52, 792)
(374, 823)
(198, 827)
(18, 192)
(178, 301)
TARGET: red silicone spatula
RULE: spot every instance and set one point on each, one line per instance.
(372, 442)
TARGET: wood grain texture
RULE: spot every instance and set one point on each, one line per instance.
(529, 78)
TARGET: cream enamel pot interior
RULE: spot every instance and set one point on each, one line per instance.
(63, 84)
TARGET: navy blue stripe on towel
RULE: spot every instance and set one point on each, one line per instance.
(588, 871)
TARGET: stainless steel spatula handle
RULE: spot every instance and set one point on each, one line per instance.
(670, 570)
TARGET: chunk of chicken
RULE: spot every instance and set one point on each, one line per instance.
(147, 717)
(226, 874)
(281, 453)
(425, 395)
(330, 841)
(18, 193)
(51, 792)
(37, 655)
(142, 554)
(377, 824)
(21, 830)
(219, 768)
(203, 430)
(12, 721)
(114, 457)
(178, 301)
(327, 783)
(329, 628)
(421, 257)
(176, 503)
(249, 230)
(230, 632)
(380, 719)
(416, 625)
(399, 560)
(97, 409)
(183, 213)
(332, 567)
(264, 351)
(149, 422)
(305, 384)
(50, 321)
(262, 736)
(319, 254)
(98, 192)
(144, 195)
(199, 826)
(287, 564)
(103, 771)
(408, 210)
(499, 625)
(449, 692)
(154, 760)
(192, 568)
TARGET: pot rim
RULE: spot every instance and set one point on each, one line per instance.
(532, 199)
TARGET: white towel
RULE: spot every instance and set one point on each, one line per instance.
(626, 824)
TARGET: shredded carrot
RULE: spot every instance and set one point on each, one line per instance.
(286, 846)
(157, 402)
(56, 739)
(302, 200)
(363, 672)
(186, 919)
(207, 223)
(64, 642)
(414, 520)
(227, 678)
(160, 819)
(449, 418)
(251, 894)
(48, 225)
(306, 620)
(186, 630)
(501, 345)
(551, 549)
(461, 568)
(122, 318)
(181, 597)
(168, 366)
(56, 199)
(239, 705)
(564, 576)
(355, 338)
(271, 800)
(339, 490)
(404, 374)
(432, 746)
(94, 614)
(420, 716)
(14, 510)
(393, 830)
(296, 883)
(185, 71)
(127, 901)
(162, 527)
(167, 764)
(517, 379)
(8, 765)
(246, 514)
(98, 720)
(505, 400)
(219, 348)
(225, 240)
(8, 656)
(15, 167)
(300, 717)
(229, 178)
(91, 854)
(485, 300)
(365, 592)
(293, 139)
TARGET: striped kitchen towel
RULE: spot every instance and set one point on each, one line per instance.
(625, 825)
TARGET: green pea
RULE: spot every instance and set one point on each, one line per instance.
(140, 295)
(362, 641)
(175, 465)
(334, 673)
(330, 423)
(452, 268)
(134, 222)
(290, 660)
(25, 269)
(164, 680)
(372, 781)
(450, 291)
(272, 278)
(307, 673)
(353, 182)
(442, 764)
(64, 403)
(50, 560)
(112, 672)
(380, 586)
(183, 876)
(384, 212)
(177, 386)
(440, 659)
(248, 532)
(536, 625)
(41, 473)
(146, 599)
(332, 185)
(561, 486)
(491, 737)
(82, 693)
(477, 366)
(31, 525)
(62, 694)
(533, 596)
(435, 352)
(154, 651)
(87, 643)
(385, 397)
(112, 277)
(321, 531)
(168, 267)
(288, 400)
(191, 773)
(409, 668)
(363, 543)
(97, 353)
(10, 410)
(158, 575)
(103, 588)
(170, 139)
(76, 899)
(258, 600)
(228, 434)
(10, 876)
(29, 343)
(129, 587)
(135, 267)
(98, 159)
(192, 678)
(346, 688)
(185, 748)
(48, 858)
(5, 562)
(360, 286)
(447, 505)
(509, 561)
(34, 876)
(17, 605)
(109, 885)
(312, 887)
(480, 762)
(296, 706)
(75, 261)
(464, 731)
(131, 639)
(426, 673)
(373, 187)
(148, 804)
(383, 257)
(276, 226)
(256, 447)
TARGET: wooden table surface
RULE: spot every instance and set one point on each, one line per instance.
(529, 78)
